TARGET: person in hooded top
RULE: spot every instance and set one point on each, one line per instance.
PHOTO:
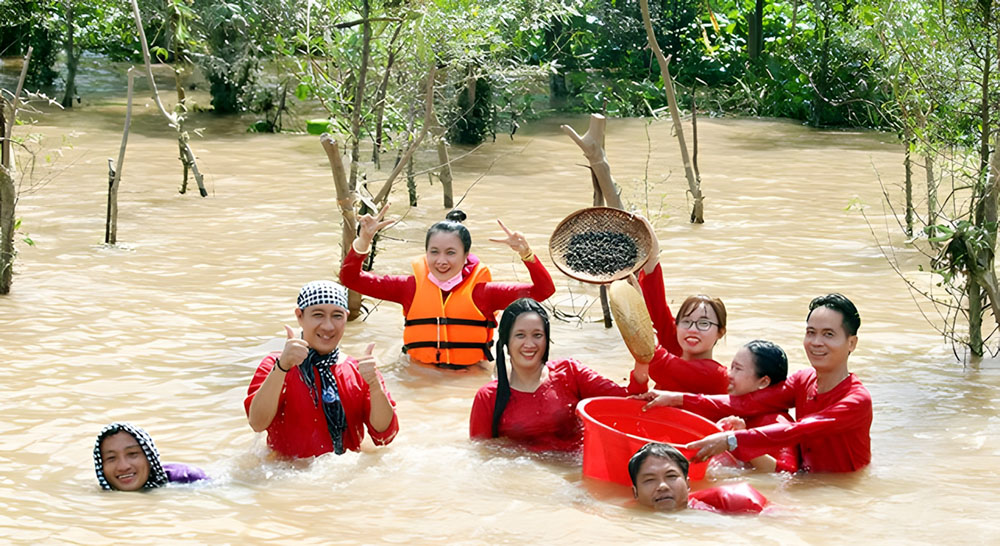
(450, 301)
(312, 398)
(126, 459)
(536, 406)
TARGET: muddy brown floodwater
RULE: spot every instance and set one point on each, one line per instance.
(166, 329)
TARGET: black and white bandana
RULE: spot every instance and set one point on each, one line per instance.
(321, 293)
(157, 477)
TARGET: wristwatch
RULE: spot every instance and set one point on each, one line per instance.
(731, 441)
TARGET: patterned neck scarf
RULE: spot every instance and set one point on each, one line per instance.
(333, 409)
(157, 477)
(324, 293)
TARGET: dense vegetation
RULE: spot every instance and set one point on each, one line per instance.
(927, 70)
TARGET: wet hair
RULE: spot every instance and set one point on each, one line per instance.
(842, 305)
(693, 302)
(510, 314)
(451, 224)
(656, 449)
(768, 360)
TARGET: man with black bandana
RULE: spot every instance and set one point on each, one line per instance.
(311, 399)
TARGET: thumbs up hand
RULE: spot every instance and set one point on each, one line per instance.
(295, 351)
(368, 367)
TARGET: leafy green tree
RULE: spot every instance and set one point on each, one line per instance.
(946, 58)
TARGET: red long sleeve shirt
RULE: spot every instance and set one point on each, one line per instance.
(544, 420)
(736, 498)
(667, 369)
(299, 426)
(786, 457)
(489, 297)
(833, 429)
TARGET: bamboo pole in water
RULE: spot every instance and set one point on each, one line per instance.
(177, 122)
(698, 210)
(111, 227)
(8, 194)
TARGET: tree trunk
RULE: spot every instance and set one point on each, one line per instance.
(795, 17)
(111, 233)
(908, 181)
(349, 220)
(698, 209)
(186, 155)
(411, 182)
(975, 316)
(755, 41)
(359, 94)
(383, 194)
(444, 174)
(8, 202)
(72, 58)
(380, 99)
(592, 144)
(8, 194)
(932, 204)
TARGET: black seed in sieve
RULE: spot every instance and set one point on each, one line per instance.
(601, 252)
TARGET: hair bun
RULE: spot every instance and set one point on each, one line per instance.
(456, 215)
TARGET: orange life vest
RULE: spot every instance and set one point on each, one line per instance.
(452, 331)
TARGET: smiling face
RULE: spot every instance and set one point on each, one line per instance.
(527, 342)
(125, 465)
(322, 326)
(743, 374)
(661, 485)
(445, 254)
(826, 343)
(694, 342)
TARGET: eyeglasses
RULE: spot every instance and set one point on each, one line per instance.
(702, 325)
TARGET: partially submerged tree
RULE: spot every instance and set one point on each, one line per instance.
(177, 118)
(949, 57)
(8, 191)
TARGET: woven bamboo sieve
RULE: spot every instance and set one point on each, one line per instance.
(599, 219)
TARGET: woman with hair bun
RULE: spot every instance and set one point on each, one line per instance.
(450, 301)
(535, 403)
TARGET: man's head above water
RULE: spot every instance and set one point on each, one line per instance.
(659, 477)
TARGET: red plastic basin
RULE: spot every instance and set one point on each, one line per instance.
(615, 428)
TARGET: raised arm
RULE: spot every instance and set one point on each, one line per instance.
(395, 288)
(655, 295)
(495, 296)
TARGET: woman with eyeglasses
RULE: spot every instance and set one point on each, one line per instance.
(683, 360)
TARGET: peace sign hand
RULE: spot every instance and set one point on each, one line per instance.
(370, 225)
(515, 240)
